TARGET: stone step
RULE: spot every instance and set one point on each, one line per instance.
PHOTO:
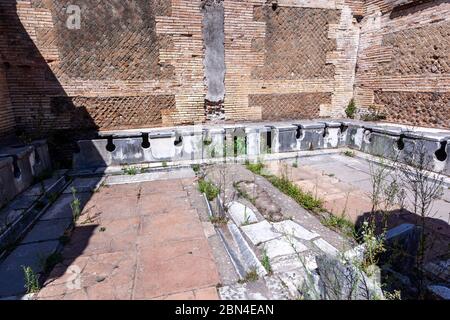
(24, 219)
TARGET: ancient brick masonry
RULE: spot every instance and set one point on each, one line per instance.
(142, 63)
(6, 112)
(294, 58)
(404, 61)
(131, 64)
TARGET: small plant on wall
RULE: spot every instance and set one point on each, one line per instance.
(351, 109)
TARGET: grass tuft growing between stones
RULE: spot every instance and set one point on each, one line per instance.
(306, 200)
(351, 109)
(218, 221)
(251, 276)
(256, 168)
(196, 168)
(130, 171)
(349, 153)
(209, 189)
(265, 261)
(339, 223)
(242, 193)
(31, 280)
(75, 205)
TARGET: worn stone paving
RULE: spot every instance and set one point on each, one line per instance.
(149, 236)
(343, 183)
(136, 241)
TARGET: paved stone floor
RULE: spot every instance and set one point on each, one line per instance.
(136, 241)
(344, 183)
(148, 236)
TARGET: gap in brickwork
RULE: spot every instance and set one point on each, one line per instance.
(213, 28)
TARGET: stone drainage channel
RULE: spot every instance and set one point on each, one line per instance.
(287, 255)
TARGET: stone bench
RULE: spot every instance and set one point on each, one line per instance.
(20, 165)
(391, 141)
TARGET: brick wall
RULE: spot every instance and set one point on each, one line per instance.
(131, 64)
(404, 61)
(298, 51)
(141, 63)
(6, 112)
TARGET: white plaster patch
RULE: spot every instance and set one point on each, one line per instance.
(162, 148)
(291, 228)
(332, 139)
(358, 137)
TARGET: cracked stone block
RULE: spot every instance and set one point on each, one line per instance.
(405, 237)
(22, 202)
(326, 247)
(93, 154)
(260, 232)
(431, 145)
(354, 135)
(285, 263)
(241, 214)
(381, 144)
(163, 146)
(310, 135)
(130, 151)
(291, 228)
(7, 188)
(189, 145)
(234, 292)
(283, 137)
(253, 141)
(283, 247)
(355, 254)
